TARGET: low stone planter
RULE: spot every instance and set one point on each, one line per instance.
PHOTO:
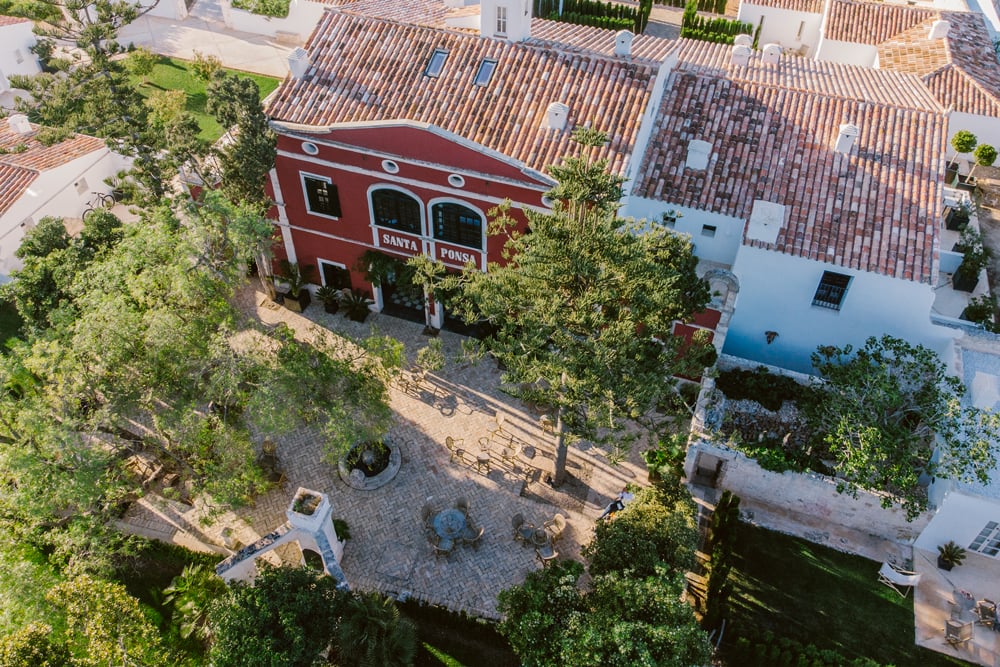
(356, 479)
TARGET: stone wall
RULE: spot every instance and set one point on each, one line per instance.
(807, 499)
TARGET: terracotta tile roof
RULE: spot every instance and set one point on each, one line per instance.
(961, 70)
(431, 13)
(12, 20)
(810, 6)
(873, 210)
(584, 39)
(973, 85)
(871, 22)
(912, 52)
(367, 69)
(42, 157)
(818, 77)
(13, 182)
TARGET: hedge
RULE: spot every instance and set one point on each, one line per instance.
(719, 30)
(598, 14)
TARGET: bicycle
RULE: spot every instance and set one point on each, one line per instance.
(104, 201)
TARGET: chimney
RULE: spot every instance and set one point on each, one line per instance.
(299, 63)
(697, 155)
(939, 30)
(505, 19)
(19, 124)
(623, 43)
(771, 54)
(846, 137)
(556, 115)
(743, 40)
(741, 55)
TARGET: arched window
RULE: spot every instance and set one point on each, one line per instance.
(396, 210)
(454, 223)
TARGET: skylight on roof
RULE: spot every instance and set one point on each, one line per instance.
(436, 63)
(485, 72)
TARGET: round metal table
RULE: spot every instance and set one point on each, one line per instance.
(449, 523)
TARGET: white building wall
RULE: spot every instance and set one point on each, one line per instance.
(848, 53)
(15, 50)
(960, 517)
(302, 18)
(54, 193)
(168, 9)
(720, 248)
(791, 29)
(776, 294)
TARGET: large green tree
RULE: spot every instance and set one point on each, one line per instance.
(632, 612)
(585, 306)
(146, 336)
(890, 413)
(285, 618)
(85, 87)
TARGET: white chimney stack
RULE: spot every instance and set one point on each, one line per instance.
(846, 137)
(556, 116)
(299, 63)
(19, 124)
(939, 30)
(505, 19)
(623, 43)
(771, 54)
(741, 55)
(743, 40)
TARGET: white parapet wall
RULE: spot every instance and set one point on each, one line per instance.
(807, 498)
(294, 28)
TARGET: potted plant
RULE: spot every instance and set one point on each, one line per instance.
(950, 555)
(355, 305)
(296, 277)
(957, 217)
(976, 256)
(981, 310)
(329, 296)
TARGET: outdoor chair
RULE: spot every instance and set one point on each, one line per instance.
(556, 527)
(500, 433)
(427, 514)
(548, 426)
(986, 612)
(957, 633)
(546, 553)
(463, 505)
(898, 580)
(455, 445)
(509, 453)
(471, 536)
(523, 530)
(443, 548)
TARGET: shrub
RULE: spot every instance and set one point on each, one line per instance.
(768, 389)
(275, 8)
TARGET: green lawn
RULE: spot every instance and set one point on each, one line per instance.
(174, 74)
(819, 596)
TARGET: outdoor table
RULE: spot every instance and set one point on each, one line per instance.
(449, 523)
(540, 537)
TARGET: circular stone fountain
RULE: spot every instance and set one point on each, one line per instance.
(371, 464)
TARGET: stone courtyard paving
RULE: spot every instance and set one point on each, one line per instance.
(388, 550)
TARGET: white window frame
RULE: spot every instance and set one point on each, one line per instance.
(501, 20)
(452, 200)
(321, 262)
(303, 175)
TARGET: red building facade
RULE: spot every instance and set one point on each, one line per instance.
(346, 191)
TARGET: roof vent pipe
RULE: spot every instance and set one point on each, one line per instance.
(743, 40)
(771, 54)
(556, 115)
(846, 137)
(741, 55)
(18, 123)
(299, 63)
(623, 43)
(939, 30)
